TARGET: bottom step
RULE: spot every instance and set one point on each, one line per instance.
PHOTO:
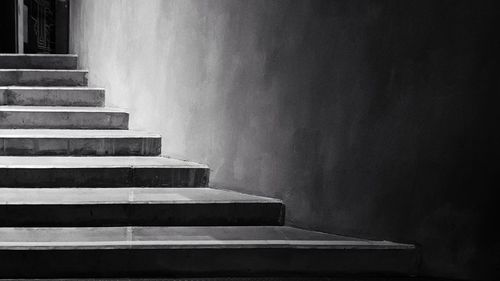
(193, 251)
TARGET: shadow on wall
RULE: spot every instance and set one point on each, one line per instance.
(433, 65)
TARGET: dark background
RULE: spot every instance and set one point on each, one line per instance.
(8, 26)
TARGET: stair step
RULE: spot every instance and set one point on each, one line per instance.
(193, 251)
(59, 117)
(100, 171)
(24, 207)
(42, 77)
(38, 61)
(51, 96)
(19, 142)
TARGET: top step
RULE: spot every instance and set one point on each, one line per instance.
(38, 61)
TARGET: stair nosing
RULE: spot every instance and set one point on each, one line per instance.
(74, 134)
(84, 162)
(43, 70)
(32, 108)
(37, 55)
(82, 88)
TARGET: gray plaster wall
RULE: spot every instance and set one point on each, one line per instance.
(368, 118)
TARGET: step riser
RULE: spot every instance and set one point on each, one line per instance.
(196, 214)
(42, 78)
(80, 146)
(38, 62)
(162, 263)
(47, 97)
(63, 120)
(104, 177)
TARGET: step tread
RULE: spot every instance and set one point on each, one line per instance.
(52, 88)
(63, 238)
(72, 133)
(37, 55)
(54, 162)
(42, 70)
(143, 195)
(17, 108)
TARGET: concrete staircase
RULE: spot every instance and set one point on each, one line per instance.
(82, 196)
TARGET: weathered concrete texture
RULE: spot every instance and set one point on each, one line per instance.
(51, 96)
(42, 77)
(38, 117)
(194, 251)
(79, 143)
(368, 118)
(38, 61)
(52, 207)
(90, 196)
(100, 171)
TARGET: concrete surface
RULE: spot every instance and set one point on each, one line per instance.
(38, 61)
(29, 207)
(42, 77)
(79, 142)
(75, 134)
(179, 237)
(368, 118)
(87, 196)
(51, 96)
(205, 251)
(59, 117)
(100, 171)
(95, 162)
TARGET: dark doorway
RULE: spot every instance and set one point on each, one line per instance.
(34, 26)
(8, 26)
(46, 29)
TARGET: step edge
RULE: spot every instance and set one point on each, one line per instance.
(42, 70)
(200, 244)
(76, 136)
(248, 194)
(50, 109)
(119, 231)
(127, 190)
(52, 88)
(70, 166)
(140, 202)
(37, 55)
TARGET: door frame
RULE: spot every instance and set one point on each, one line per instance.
(61, 33)
(20, 26)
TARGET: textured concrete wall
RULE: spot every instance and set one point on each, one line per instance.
(367, 118)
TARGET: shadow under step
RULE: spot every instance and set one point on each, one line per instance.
(37, 142)
(194, 251)
(100, 171)
(29, 207)
(38, 61)
(56, 117)
(51, 96)
(43, 77)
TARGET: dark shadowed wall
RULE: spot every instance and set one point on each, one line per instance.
(368, 118)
